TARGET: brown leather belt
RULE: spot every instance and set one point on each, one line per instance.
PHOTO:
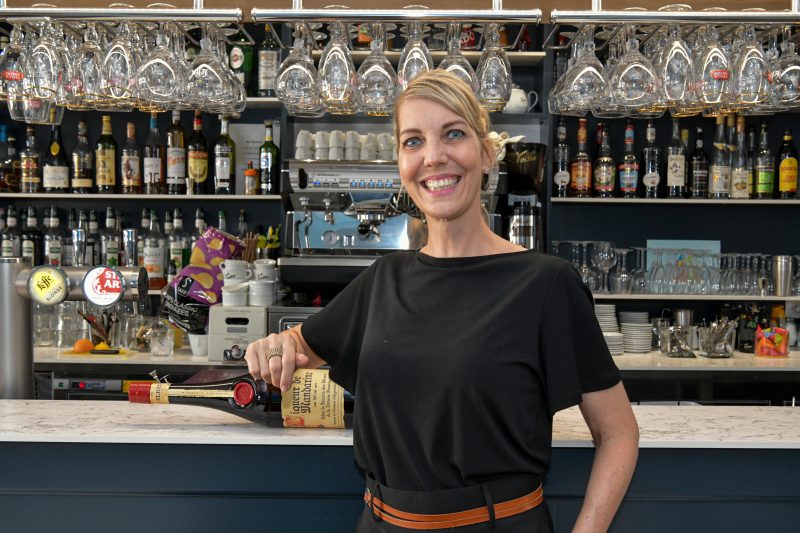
(449, 520)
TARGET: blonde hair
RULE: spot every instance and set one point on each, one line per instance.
(452, 92)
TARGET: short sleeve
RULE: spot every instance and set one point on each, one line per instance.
(336, 332)
(575, 356)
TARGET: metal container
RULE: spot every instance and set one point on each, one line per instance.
(683, 317)
(16, 348)
(782, 274)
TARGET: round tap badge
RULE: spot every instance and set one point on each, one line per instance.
(103, 286)
(48, 285)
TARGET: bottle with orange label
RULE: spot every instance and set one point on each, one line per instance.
(787, 167)
(580, 169)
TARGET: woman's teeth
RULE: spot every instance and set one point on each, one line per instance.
(440, 184)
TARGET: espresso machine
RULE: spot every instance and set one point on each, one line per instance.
(340, 216)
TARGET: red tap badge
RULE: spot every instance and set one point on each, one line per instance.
(102, 286)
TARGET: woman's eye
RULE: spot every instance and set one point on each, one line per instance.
(455, 134)
(411, 142)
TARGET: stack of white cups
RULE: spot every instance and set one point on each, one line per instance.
(321, 143)
(235, 275)
(336, 145)
(262, 287)
(385, 146)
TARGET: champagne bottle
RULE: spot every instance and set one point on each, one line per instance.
(741, 173)
(676, 163)
(269, 59)
(787, 167)
(176, 156)
(720, 173)
(312, 401)
(155, 160)
(197, 154)
(629, 167)
(561, 160)
(55, 173)
(105, 156)
(698, 166)
(765, 166)
(224, 161)
(580, 169)
(82, 168)
(240, 59)
(270, 162)
(131, 163)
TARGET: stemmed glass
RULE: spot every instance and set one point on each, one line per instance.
(621, 279)
(208, 85)
(576, 254)
(749, 84)
(337, 74)
(634, 81)
(297, 83)
(161, 77)
(119, 70)
(14, 75)
(87, 83)
(494, 72)
(604, 258)
(786, 72)
(590, 277)
(584, 82)
(711, 71)
(455, 61)
(656, 272)
(377, 79)
(606, 107)
(639, 281)
(415, 57)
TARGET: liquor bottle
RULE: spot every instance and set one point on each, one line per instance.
(240, 59)
(11, 245)
(269, 59)
(651, 163)
(155, 160)
(765, 166)
(580, 169)
(31, 180)
(92, 255)
(222, 223)
(145, 227)
(81, 177)
(720, 172)
(197, 154)
(105, 157)
(605, 170)
(730, 131)
(53, 238)
(561, 161)
(9, 172)
(598, 141)
(243, 230)
(131, 163)
(787, 167)
(751, 146)
(685, 139)
(55, 172)
(270, 162)
(179, 242)
(251, 180)
(224, 161)
(110, 240)
(68, 253)
(741, 173)
(698, 168)
(199, 226)
(155, 254)
(676, 163)
(629, 167)
(168, 226)
(313, 400)
(176, 156)
(32, 240)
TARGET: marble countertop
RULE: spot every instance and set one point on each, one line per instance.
(739, 362)
(122, 422)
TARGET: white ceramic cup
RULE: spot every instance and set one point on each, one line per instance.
(385, 141)
(304, 139)
(264, 269)
(336, 153)
(321, 139)
(199, 344)
(303, 153)
(385, 155)
(368, 154)
(352, 154)
(262, 293)
(235, 269)
(321, 153)
(370, 141)
(337, 139)
(352, 140)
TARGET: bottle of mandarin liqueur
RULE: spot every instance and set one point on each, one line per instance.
(313, 400)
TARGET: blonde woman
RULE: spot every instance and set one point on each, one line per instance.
(460, 353)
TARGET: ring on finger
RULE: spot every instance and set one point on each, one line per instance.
(275, 351)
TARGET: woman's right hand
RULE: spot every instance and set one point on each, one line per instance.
(274, 359)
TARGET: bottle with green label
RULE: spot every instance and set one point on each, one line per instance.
(240, 59)
(765, 166)
(787, 167)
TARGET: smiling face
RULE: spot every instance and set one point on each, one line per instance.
(441, 160)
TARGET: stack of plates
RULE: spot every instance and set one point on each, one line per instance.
(607, 317)
(615, 342)
(634, 317)
(637, 338)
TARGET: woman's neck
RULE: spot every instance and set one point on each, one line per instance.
(465, 239)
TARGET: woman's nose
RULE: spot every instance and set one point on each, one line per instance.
(435, 153)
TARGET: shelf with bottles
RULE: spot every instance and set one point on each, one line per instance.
(136, 197)
(695, 297)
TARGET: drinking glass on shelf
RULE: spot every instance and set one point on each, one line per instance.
(162, 341)
(639, 281)
(604, 258)
(656, 272)
(634, 82)
(377, 79)
(675, 70)
(14, 74)
(712, 71)
(785, 73)
(554, 246)
(589, 276)
(208, 84)
(455, 61)
(584, 82)
(749, 84)
(161, 77)
(337, 73)
(415, 57)
(118, 71)
(605, 106)
(494, 72)
(621, 279)
(576, 254)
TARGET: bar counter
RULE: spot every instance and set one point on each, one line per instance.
(186, 468)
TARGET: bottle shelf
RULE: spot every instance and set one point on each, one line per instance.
(259, 102)
(137, 197)
(673, 201)
(696, 297)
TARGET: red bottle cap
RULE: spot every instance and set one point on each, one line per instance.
(139, 392)
(243, 393)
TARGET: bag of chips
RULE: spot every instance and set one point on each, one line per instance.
(772, 342)
(199, 284)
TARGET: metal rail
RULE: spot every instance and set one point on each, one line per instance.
(678, 17)
(530, 16)
(114, 14)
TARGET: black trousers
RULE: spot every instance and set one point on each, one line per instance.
(536, 520)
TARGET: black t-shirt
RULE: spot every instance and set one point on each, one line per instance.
(458, 364)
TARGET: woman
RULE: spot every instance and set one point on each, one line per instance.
(460, 353)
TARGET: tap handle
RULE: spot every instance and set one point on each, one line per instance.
(79, 246)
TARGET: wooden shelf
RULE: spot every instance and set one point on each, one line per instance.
(137, 197)
(673, 201)
(696, 297)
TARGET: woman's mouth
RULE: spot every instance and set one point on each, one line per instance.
(440, 184)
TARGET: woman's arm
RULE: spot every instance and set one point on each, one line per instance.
(295, 353)
(615, 433)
